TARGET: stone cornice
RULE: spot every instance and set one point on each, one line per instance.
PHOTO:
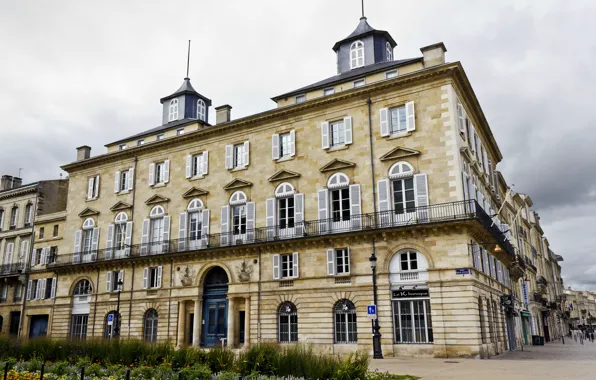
(18, 191)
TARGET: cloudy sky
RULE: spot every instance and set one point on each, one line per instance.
(82, 72)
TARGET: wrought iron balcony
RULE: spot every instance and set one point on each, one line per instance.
(541, 280)
(433, 214)
(13, 269)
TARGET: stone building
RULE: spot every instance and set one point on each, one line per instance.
(264, 228)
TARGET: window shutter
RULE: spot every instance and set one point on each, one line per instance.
(292, 143)
(295, 263)
(465, 186)
(348, 129)
(250, 221)
(347, 260)
(165, 237)
(41, 289)
(9, 251)
(24, 250)
(145, 237)
(109, 281)
(410, 118)
(53, 290)
(166, 171)
(131, 178)
(224, 226)
(299, 214)
(159, 273)
(90, 188)
(94, 243)
(421, 187)
(276, 267)
(76, 256)
(205, 215)
(182, 223)
(229, 157)
(485, 161)
(145, 278)
(384, 112)
(325, 135)
(355, 207)
(383, 201)
(45, 253)
(246, 153)
(497, 187)
(33, 257)
(189, 166)
(97, 186)
(29, 288)
(128, 239)
(205, 163)
(270, 217)
(110, 242)
(151, 174)
(121, 277)
(461, 118)
(275, 146)
(331, 262)
(323, 204)
(117, 181)
(472, 133)
(491, 176)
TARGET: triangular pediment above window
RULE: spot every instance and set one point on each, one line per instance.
(337, 164)
(120, 206)
(237, 183)
(283, 175)
(156, 199)
(88, 212)
(399, 152)
(194, 192)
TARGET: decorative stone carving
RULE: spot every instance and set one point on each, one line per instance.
(244, 271)
(186, 276)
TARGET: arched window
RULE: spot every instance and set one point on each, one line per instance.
(403, 192)
(389, 51)
(173, 110)
(284, 190)
(286, 208)
(150, 326)
(195, 205)
(111, 322)
(201, 110)
(120, 225)
(339, 193)
(121, 218)
(356, 54)
(345, 322)
(83, 288)
(195, 225)
(288, 323)
(156, 216)
(157, 212)
(238, 198)
(88, 224)
(338, 180)
(239, 213)
(400, 170)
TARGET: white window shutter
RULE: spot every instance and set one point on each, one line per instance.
(229, 156)
(295, 262)
(205, 227)
(325, 135)
(275, 146)
(355, 206)
(166, 171)
(421, 188)
(110, 241)
(472, 141)
(292, 143)
(41, 289)
(159, 274)
(53, 290)
(250, 221)
(90, 188)
(145, 278)
(131, 178)
(270, 217)
(94, 243)
(276, 271)
(24, 250)
(33, 257)
(461, 118)
(485, 161)
(348, 129)
(109, 281)
(97, 186)
(182, 224)
(189, 166)
(383, 200)
(121, 277)
(165, 237)
(225, 225)
(410, 117)
(117, 181)
(205, 163)
(128, 239)
(465, 186)
(145, 237)
(45, 253)
(76, 256)
(29, 289)
(347, 260)
(323, 205)
(331, 262)
(151, 174)
(384, 112)
(246, 153)
(298, 214)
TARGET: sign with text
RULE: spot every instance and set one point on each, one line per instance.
(462, 271)
(110, 319)
(371, 310)
(410, 293)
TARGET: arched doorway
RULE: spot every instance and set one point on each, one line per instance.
(215, 307)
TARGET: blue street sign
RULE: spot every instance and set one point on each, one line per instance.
(371, 310)
(110, 319)
(462, 271)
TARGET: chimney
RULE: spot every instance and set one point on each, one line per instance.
(6, 182)
(434, 54)
(223, 114)
(83, 152)
(17, 182)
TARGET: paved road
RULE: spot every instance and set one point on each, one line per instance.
(552, 361)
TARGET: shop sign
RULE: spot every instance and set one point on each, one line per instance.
(410, 293)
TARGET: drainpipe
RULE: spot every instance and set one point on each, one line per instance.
(132, 214)
(372, 160)
(169, 296)
(132, 288)
(259, 302)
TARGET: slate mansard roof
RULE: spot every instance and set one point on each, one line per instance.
(364, 29)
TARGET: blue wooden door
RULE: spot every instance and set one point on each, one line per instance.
(215, 327)
(39, 326)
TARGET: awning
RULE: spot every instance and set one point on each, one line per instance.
(526, 314)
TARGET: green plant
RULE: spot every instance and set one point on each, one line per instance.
(197, 371)
(377, 375)
(221, 359)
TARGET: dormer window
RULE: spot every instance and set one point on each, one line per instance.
(173, 111)
(389, 51)
(300, 99)
(121, 146)
(201, 110)
(356, 54)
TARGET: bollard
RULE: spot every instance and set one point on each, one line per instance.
(43, 367)
(179, 375)
(127, 374)
(6, 371)
(83, 373)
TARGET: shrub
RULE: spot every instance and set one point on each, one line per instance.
(197, 371)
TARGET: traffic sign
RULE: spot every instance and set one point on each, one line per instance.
(110, 319)
(371, 310)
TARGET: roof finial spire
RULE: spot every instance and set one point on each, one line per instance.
(362, 2)
(188, 60)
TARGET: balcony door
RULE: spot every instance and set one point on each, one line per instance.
(215, 308)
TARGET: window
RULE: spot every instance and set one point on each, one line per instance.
(408, 261)
(239, 219)
(28, 214)
(123, 185)
(201, 110)
(412, 321)
(83, 288)
(53, 255)
(338, 133)
(34, 289)
(345, 322)
(389, 51)
(239, 156)
(150, 326)
(55, 232)
(87, 242)
(391, 74)
(121, 146)
(93, 187)
(300, 99)
(285, 212)
(159, 137)
(120, 224)
(48, 288)
(3, 292)
(13, 217)
(287, 266)
(38, 256)
(112, 279)
(41, 232)
(195, 222)
(179, 131)
(140, 142)
(328, 91)
(157, 229)
(403, 196)
(160, 172)
(356, 54)
(152, 277)
(342, 261)
(18, 293)
(397, 119)
(1, 218)
(78, 326)
(197, 165)
(285, 143)
(340, 205)
(173, 110)
(359, 83)
(288, 323)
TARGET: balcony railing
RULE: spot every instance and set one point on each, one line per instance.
(440, 213)
(12, 269)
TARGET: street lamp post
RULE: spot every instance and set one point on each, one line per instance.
(117, 316)
(377, 350)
